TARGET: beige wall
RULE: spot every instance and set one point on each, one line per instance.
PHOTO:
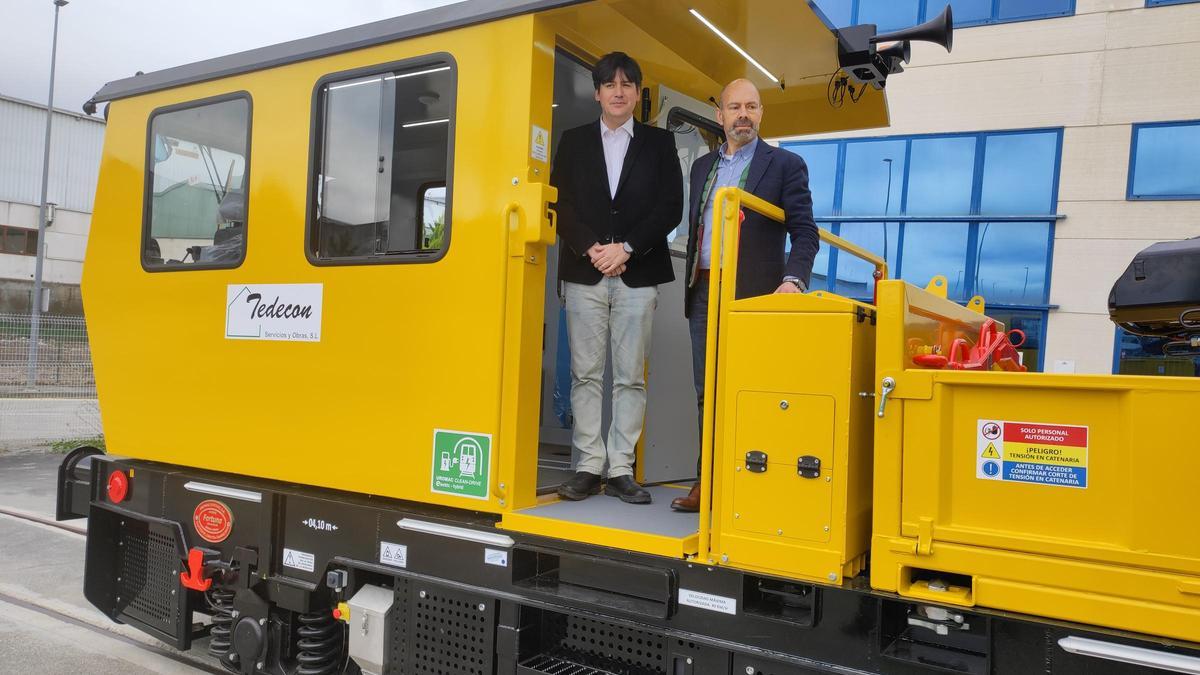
(66, 240)
(1113, 64)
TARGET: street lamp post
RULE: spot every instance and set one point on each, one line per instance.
(35, 309)
(887, 207)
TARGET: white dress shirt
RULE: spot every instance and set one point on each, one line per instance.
(616, 143)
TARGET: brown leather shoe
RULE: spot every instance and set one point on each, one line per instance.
(690, 503)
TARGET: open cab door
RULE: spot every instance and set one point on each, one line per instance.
(688, 52)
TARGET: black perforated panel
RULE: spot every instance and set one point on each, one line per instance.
(552, 665)
(567, 644)
(450, 632)
(398, 631)
(146, 580)
(642, 651)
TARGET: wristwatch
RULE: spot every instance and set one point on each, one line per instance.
(796, 282)
(627, 247)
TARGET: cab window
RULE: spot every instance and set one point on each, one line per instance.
(197, 167)
(382, 162)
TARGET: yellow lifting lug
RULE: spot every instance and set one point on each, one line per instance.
(938, 286)
(976, 304)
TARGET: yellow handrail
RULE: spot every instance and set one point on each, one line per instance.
(727, 206)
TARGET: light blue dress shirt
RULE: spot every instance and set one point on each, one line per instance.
(729, 174)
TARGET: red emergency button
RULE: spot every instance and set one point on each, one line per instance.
(118, 487)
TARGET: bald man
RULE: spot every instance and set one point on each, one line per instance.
(775, 175)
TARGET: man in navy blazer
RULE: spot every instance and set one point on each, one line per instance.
(773, 174)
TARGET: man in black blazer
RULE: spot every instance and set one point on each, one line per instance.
(775, 175)
(620, 192)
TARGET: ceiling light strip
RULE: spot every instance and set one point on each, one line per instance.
(425, 123)
(382, 78)
(733, 44)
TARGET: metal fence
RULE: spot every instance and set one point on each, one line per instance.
(58, 403)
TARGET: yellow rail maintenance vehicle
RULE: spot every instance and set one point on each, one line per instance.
(326, 337)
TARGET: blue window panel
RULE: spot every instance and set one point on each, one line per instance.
(1159, 3)
(1019, 173)
(966, 12)
(1137, 355)
(821, 159)
(820, 271)
(941, 176)
(888, 15)
(1032, 324)
(865, 180)
(931, 249)
(839, 12)
(1009, 10)
(1165, 162)
(855, 277)
(1011, 263)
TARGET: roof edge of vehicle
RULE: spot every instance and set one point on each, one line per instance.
(402, 27)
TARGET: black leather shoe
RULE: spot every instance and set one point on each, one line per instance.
(580, 486)
(627, 489)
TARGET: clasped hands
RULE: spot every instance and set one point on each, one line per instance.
(609, 259)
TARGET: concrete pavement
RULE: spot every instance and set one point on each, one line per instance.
(26, 420)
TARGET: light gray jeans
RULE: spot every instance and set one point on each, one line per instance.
(609, 314)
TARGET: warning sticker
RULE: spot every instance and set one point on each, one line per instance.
(1032, 452)
(462, 464)
(540, 148)
(298, 559)
(395, 555)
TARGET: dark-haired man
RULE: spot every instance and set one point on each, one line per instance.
(620, 191)
(777, 176)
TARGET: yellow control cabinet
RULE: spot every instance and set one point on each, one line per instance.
(1066, 496)
(793, 461)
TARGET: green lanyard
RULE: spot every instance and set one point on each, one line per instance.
(712, 178)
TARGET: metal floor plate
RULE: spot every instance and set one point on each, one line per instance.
(600, 510)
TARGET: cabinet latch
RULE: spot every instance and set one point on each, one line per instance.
(756, 461)
(809, 466)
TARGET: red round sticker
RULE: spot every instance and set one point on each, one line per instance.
(213, 521)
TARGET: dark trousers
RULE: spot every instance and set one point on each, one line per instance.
(698, 326)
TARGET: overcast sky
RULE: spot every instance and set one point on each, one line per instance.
(104, 40)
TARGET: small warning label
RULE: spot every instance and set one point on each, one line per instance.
(298, 560)
(395, 555)
(1032, 452)
(540, 149)
(713, 603)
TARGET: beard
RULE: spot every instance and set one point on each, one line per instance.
(743, 134)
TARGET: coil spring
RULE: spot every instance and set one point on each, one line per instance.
(221, 600)
(320, 644)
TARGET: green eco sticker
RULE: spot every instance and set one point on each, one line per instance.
(462, 463)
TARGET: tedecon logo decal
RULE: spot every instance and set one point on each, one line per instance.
(284, 312)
